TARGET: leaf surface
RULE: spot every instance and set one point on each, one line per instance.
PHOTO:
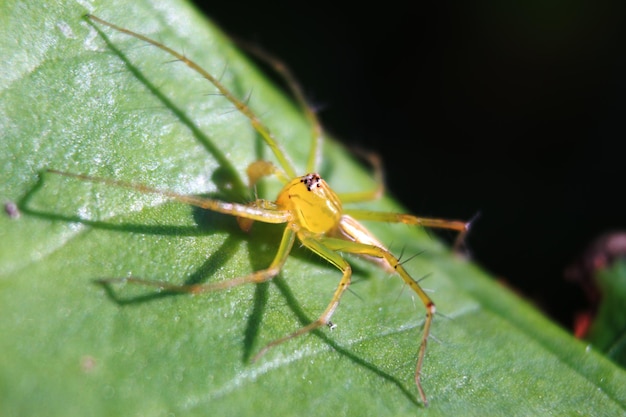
(105, 104)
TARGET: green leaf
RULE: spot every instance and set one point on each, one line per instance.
(71, 101)
(607, 333)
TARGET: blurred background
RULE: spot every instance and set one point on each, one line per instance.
(514, 110)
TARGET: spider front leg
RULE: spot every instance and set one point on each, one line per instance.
(294, 86)
(316, 245)
(379, 189)
(267, 213)
(375, 251)
(456, 225)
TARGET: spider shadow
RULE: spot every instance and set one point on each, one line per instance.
(263, 242)
(261, 296)
(260, 302)
(207, 223)
(228, 180)
(296, 308)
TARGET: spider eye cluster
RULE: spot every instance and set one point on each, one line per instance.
(311, 181)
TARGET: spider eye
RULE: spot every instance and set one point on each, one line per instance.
(311, 180)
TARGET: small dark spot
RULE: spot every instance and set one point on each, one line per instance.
(12, 210)
(87, 363)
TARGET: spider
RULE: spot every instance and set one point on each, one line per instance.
(309, 209)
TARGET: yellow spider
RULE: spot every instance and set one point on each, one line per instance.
(310, 210)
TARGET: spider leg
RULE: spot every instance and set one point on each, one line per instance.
(316, 245)
(357, 248)
(260, 169)
(266, 213)
(317, 134)
(378, 190)
(377, 216)
(262, 275)
(240, 105)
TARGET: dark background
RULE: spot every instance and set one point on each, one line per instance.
(513, 111)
